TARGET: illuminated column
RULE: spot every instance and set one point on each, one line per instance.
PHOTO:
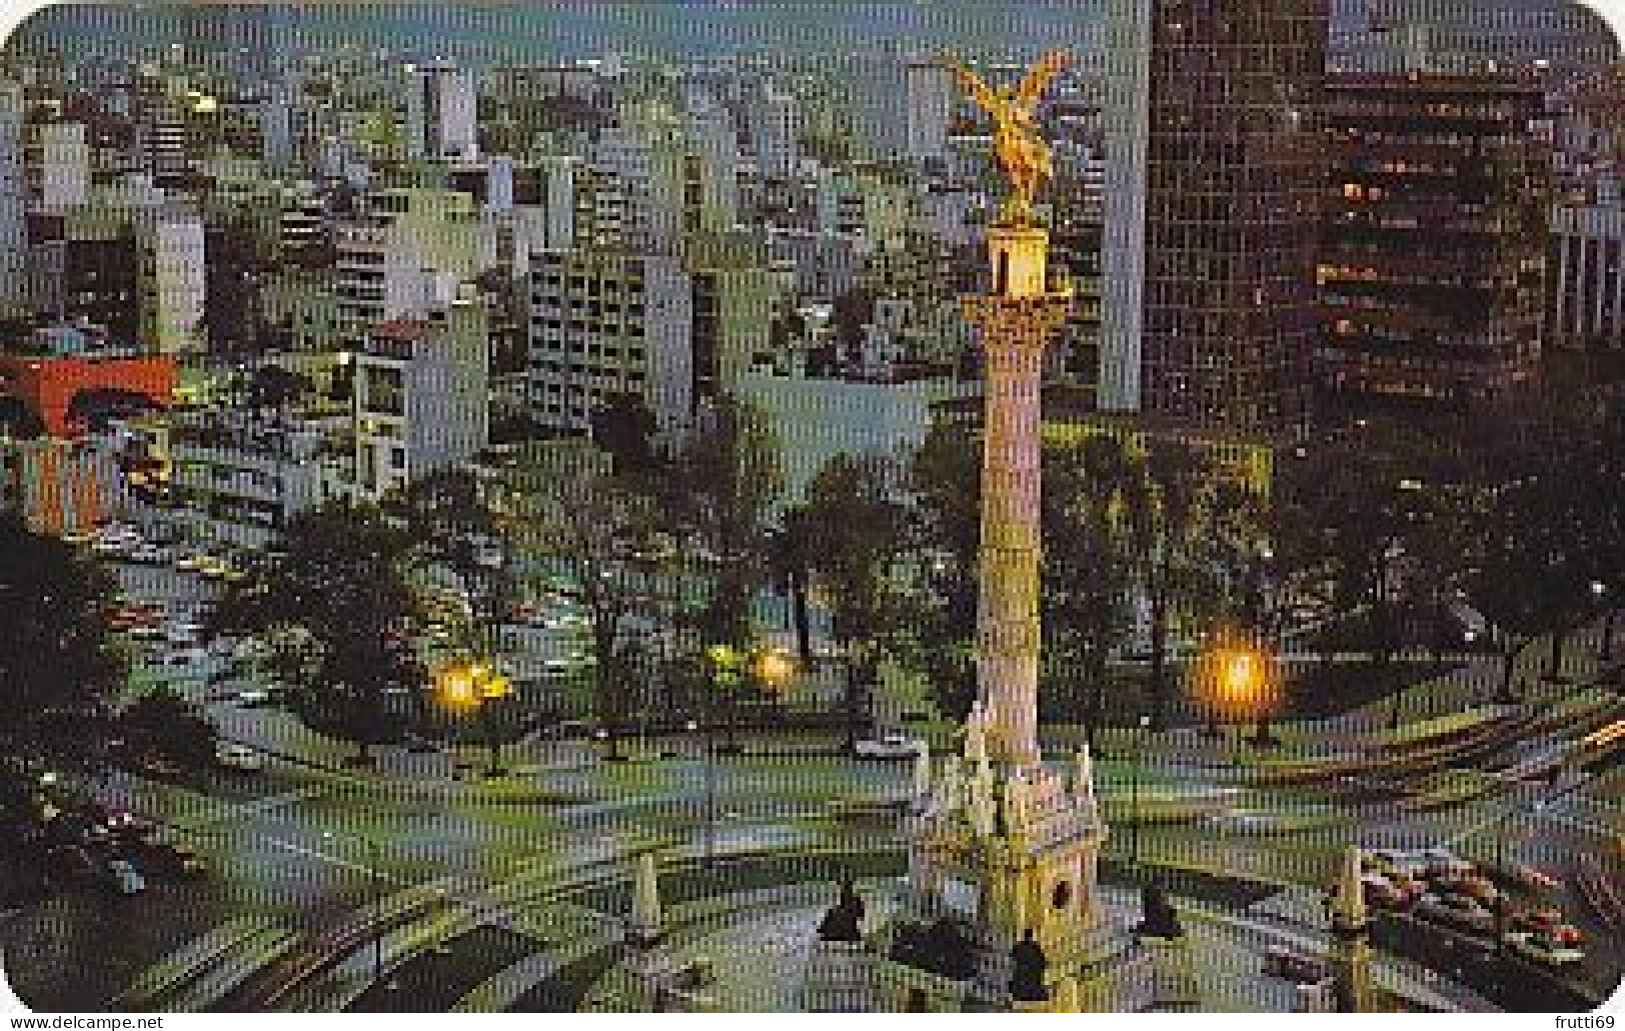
(1016, 319)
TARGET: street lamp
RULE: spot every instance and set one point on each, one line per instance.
(709, 779)
(1137, 771)
(1241, 684)
(375, 879)
(479, 687)
(1605, 649)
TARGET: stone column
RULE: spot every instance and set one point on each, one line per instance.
(1015, 319)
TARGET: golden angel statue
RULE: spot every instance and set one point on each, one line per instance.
(1016, 143)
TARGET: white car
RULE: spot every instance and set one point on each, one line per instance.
(891, 746)
(237, 757)
(1542, 948)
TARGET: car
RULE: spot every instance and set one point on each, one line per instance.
(190, 561)
(1391, 860)
(889, 746)
(1535, 879)
(77, 537)
(124, 878)
(69, 862)
(1441, 862)
(114, 819)
(1546, 920)
(1479, 889)
(184, 632)
(1456, 911)
(253, 697)
(1382, 892)
(1283, 962)
(162, 858)
(234, 756)
(1542, 948)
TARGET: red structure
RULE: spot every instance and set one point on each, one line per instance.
(49, 385)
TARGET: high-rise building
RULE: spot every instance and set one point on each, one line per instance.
(1214, 170)
(173, 280)
(63, 168)
(776, 133)
(930, 89)
(441, 112)
(13, 203)
(1587, 277)
(607, 323)
(1433, 261)
(1453, 36)
(421, 397)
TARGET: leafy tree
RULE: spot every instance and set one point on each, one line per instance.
(1086, 573)
(728, 477)
(163, 723)
(591, 523)
(791, 566)
(1168, 509)
(336, 611)
(451, 528)
(625, 428)
(945, 477)
(57, 657)
(856, 533)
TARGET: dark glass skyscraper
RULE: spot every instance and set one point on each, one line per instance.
(1214, 172)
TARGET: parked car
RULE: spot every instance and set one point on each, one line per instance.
(890, 746)
(1543, 948)
(1381, 892)
(1456, 911)
(1441, 862)
(1538, 880)
(1547, 920)
(161, 858)
(124, 878)
(253, 698)
(1391, 860)
(1283, 962)
(234, 756)
(1479, 889)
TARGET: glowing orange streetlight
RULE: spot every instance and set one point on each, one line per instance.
(1242, 683)
(774, 669)
(474, 686)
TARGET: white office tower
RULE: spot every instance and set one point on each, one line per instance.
(499, 183)
(421, 398)
(776, 134)
(276, 127)
(171, 273)
(606, 323)
(441, 113)
(13, 203)
(638, 198)
(64, 165)
(930, 107)
(554, 216)
(713, 177)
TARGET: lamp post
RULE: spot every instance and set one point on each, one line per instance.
(1136, 771)
(375, 880)
(1242, 684)
(708, 773)
(1605, 648)
(479, 687)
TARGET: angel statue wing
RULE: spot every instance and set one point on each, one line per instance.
(979, 90)
(1038, 78)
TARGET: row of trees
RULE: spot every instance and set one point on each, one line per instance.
(1147, 550)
